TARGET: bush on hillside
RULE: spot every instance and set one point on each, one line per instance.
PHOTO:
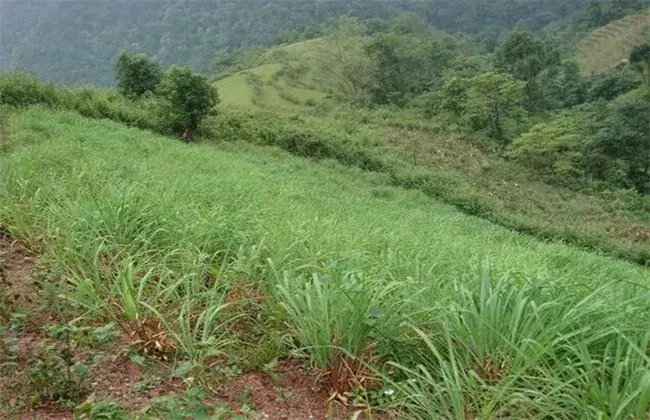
(609, 87)
(553, 149)
(640, 61)
(98, 103)
(21, 90)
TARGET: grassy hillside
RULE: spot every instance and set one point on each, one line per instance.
(600, 52)
(207, 261)
(284, 80)
(426, 154)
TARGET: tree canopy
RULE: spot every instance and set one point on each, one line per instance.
(136, 74)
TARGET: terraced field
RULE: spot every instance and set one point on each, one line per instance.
(600, 52)
(285, 80)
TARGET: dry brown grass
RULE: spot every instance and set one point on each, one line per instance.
(601, 51)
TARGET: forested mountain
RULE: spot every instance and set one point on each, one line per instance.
(76, 41)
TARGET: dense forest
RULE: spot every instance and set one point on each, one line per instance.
(75, 42)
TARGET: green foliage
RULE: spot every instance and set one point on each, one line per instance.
(195, 403)
(511, 348)
(453, 95)
(103, 410)
(594, 15)
(189, 98)
(136, 74)
(401, 60)
(640, 60)
(494, 104)
(338, 315)
(621, 140)
(404, 65)
(10, 350)
(522, 55)
(23, 90)
(169, 254)
(342, 60)
(564, 86)
(55, 373)
(227, 62)
(555, 148)
(300, 33)
(302, 140)
(600, 13)
(525, 56)
(611, 86)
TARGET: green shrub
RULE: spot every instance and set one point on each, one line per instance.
(609, 87)
(295, 136)
(22, 90)
(97, 103)
(100, 410)
(338, 317)
(620, 150)
(554, 148)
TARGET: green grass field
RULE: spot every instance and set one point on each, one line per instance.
(436, 314)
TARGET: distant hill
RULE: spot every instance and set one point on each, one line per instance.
(605, 47)
(75, 41)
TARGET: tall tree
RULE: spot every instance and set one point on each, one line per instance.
(188, 99)
(563, 86)
(406, 64)
(622, 135)
(521, 54)
(524, 56)
(594, 15)
(453, 95)
(494, 104)
(136, 74)
(342, 59)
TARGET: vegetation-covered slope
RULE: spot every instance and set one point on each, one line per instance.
(384, 216)
(156, 236)
(282, 77)
(554, 132)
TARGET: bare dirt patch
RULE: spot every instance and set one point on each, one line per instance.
(290, 392)
(117, 378)
(17, 294)
(15, 263)
(112, 377)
